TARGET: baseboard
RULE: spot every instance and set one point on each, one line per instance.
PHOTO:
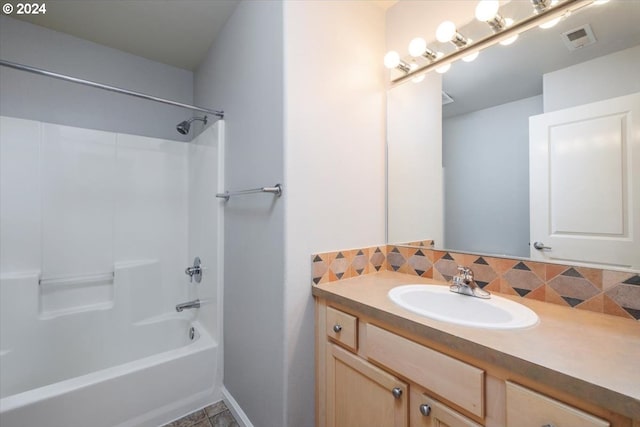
(235, 409)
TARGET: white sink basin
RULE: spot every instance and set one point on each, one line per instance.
(437, 302)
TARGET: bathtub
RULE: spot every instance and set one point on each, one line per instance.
(106, 351)
(148, 391)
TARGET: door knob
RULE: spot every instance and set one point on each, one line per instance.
(540, 246)
(337, 328)
(397, 392)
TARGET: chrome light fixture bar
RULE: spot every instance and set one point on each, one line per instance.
(557, 11)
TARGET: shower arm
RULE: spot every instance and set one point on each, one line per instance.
(40, 71)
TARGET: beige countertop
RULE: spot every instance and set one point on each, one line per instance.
(594, 357)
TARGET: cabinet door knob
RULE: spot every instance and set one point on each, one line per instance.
(337, 328)
(425, 409)
(397, 392)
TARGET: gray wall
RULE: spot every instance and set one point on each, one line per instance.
(602, 78)
(486, 175)
(30, 96)
(243, 74)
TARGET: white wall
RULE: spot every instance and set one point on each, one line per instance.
(486, 175)
(602, 78)
(414, 161)
(335, 157)
(333, 191)
(34, 97)
(243, 75)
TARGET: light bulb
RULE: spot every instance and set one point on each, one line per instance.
(443, 69)
(550, 24)
(419, 78)
(471, 57)
(446, 31)
(391, 59)
(510, 40)
(486, 10)
(417, 47)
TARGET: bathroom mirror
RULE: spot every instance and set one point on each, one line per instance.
(458, 172)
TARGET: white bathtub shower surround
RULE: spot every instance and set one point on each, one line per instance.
(146, 392)
(206, 215)
(96, 229)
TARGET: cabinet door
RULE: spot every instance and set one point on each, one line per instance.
(527, 408)
(362, 395)
(427, 412)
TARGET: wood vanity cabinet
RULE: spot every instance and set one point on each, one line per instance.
(361, 394)
(369, 376)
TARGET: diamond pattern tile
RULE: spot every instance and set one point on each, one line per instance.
(573, 287)
(377, 259)
(603, 291)
(419, 263)
(395, 259)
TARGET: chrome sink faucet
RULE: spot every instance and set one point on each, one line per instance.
(463, 283)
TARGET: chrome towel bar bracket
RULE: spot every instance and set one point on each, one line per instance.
(276, 189)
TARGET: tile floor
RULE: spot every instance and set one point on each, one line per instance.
(216, 415)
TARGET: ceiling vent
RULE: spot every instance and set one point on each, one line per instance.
(578, 38)
(446, 99)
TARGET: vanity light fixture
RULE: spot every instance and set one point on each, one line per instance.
(487, 11)
(418, 47)
(540, 6)
(420, 77)
(447, 32)
(471, 57)
(547, 12)
(510, 40)
(392, 60)
(443, 68)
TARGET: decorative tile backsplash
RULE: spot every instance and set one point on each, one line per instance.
(603, 291)
(332, 266)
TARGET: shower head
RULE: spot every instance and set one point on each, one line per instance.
(183, 127)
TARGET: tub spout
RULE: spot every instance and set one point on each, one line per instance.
(191, 304)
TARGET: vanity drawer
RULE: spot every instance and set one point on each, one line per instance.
(456, 381)
(528, 408)
(343, 328)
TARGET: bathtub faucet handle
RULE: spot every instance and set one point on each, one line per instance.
(195, 271)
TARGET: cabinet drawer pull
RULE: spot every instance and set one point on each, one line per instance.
(425, 409)
(337, 328)
(397, 392)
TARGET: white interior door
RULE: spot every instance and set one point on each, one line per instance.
(585, 183)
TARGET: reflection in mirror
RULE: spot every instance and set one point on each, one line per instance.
(464, 181)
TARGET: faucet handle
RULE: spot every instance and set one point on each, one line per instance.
(195, 271)
(466, 274)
